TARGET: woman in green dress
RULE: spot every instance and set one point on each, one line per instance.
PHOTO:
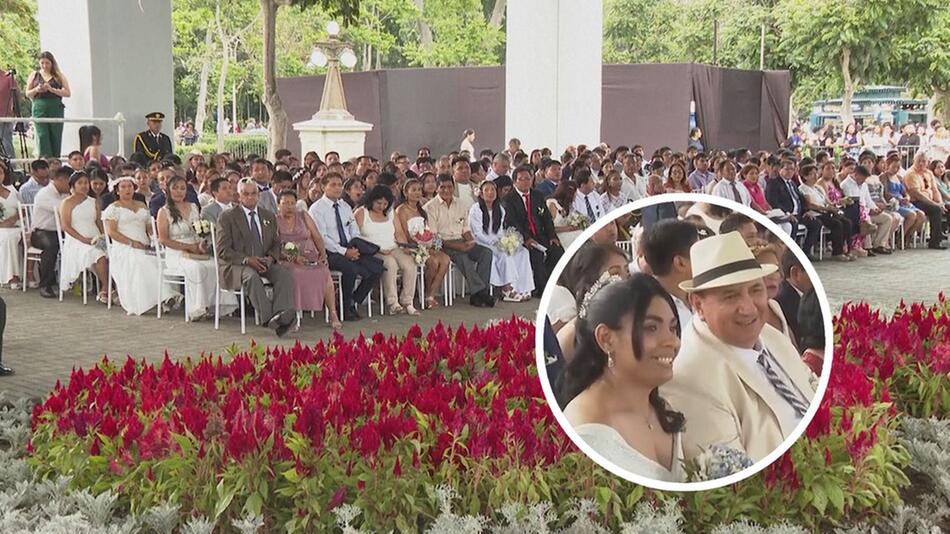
(47, 87)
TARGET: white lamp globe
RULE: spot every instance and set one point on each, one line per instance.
(348, 59)
(318, 58)
(333, 29)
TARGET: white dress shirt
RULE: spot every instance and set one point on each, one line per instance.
(634, 188)
(724, 189)
(596, 205)
(323, 215)
(257, 221)
(47, 201)
(850, 188)
(750, 359)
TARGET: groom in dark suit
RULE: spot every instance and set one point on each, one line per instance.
(248, 250)
(526, 212)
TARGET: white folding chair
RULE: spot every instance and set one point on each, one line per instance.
(108, 239)
(165, 274)
(61, 237)
(218, 289)
(30, 253)
(625, 246)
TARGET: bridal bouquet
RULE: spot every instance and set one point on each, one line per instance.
(578, 220)
(3, 213)
(510, 241)
(719, 461)
(427, 240)
(420, 255)
(291, 250)
(202, 228)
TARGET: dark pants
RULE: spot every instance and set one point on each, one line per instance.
(46, 241)
(350, 269)
(3, 324)
(542, 265)
(935, 215)
(475, 265)
(813, 228)
(840, 228)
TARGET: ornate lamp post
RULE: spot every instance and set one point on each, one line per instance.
(332, 53)
(332, 127)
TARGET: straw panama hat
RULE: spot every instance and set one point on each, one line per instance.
(723, 260)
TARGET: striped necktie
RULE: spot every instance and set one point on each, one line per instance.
(783, 389)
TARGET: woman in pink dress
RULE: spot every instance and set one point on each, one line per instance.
(312, 281)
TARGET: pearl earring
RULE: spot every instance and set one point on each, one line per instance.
(610, 360)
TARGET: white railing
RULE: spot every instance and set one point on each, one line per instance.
(118, 120)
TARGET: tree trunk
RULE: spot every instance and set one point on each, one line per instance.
(234, 104)
(425, 33)
(201, 111)
(849, 84)
(277, 116)
(498, 14)
(223, 77)
(942, 97)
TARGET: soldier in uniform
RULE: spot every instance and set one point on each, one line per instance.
(152, 142)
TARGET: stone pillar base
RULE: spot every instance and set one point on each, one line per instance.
(321, 135)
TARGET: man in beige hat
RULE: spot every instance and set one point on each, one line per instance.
(739, 381)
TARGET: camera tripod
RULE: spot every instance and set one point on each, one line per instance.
(19, 128)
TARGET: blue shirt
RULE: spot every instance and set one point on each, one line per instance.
(323, 215)
(546, 187)
(28, 190)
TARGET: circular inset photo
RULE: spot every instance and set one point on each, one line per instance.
(684, 341)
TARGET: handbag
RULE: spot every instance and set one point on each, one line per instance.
(364, 247)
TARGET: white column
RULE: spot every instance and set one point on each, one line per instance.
(118, 59)
(553, 73)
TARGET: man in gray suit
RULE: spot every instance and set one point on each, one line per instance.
(223, 192)
(248, 249)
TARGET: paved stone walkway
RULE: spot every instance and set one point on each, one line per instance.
(45, 339)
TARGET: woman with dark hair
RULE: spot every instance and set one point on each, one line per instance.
(309, 267)
(353, 190)
(411, 219)
(467, 144)
(676, 179)
(376, 221)
(98, 183)
(83, 246)
(811, 331)
(627, 339)
(47, 87)
(90, 143)
(535, 159)
(560, 205)
(511, 271)
(430, 184)
(187, 253)
(10, 254)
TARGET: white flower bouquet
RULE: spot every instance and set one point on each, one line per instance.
(578, 220)
(719, 461)
(202, 228)
(510, 241)
(291, 250)
(420, 255)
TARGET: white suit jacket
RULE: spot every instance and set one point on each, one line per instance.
(724, 402)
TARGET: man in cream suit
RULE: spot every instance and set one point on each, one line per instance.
(740, 382)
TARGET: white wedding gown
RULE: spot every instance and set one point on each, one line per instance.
(199, 274)
(11, 256)
(76, 255)
(566, 238)
(514, 269)
(135, 271)
(611, 445)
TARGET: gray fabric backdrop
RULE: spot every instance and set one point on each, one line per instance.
(644, 104)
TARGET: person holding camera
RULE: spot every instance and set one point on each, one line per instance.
(8, 89)
(47, 87)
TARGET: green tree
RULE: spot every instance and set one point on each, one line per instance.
(19, 40)
(461, 35)
(840, 45)
(924, 60)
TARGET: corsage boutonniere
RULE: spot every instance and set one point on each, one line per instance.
(265, 221)
(540, 211)
(461, 220)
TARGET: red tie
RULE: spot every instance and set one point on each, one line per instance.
(527, 207)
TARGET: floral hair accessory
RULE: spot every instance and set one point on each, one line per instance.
(605, 279)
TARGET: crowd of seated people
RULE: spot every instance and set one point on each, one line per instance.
(360, 224)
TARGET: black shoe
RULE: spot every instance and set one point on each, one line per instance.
(871, 253)
(47, 293)
(937, 246)
(489, 299)
(282, 329)
(351, 314)
(477, 301)
(5, 371)
(881, 250)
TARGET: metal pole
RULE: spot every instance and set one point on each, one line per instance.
(762, 49)
(715, 41)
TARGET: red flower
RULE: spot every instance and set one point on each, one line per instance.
(338, 498)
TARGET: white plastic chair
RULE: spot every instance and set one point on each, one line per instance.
(61, 237)
(165, 274)
(218, 289)
(30, 253)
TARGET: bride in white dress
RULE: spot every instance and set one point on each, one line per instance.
(177, 235)
(10, 253)
(560, 205)
(511, 272)
(133, 265)
(627, 339)
(83, 245)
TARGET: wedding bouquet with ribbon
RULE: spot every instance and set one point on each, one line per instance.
(578, 220)
(426, 240)
(291, 250)
(510, 241)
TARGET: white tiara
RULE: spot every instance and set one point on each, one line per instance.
(605, 279)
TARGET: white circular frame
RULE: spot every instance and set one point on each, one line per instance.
(704, 484)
